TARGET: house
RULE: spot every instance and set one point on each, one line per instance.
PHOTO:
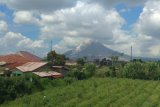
(29, 67)
(12, 61)
(50, 74)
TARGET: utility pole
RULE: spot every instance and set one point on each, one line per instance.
(131, 53)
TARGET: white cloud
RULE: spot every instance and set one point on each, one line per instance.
(25, 17)
(87, 21)
(3, 26)
(68, 43)
(38, 5)
(155, 50)
(112, 3)
(148, 26)
(12, 42)
(149, 19)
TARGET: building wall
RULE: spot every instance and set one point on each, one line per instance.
(16, 73)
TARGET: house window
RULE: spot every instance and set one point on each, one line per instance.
(18, 74)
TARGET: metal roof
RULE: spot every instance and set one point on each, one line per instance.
(2, 63)
(48, 74)
(58, 67)
(31, 66)
(42, 74)
(17, 59)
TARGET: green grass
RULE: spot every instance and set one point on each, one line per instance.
(95, 92)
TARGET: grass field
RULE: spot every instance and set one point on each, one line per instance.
(96, 92)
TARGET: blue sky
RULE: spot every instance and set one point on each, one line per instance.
(130, 14)
(31, 25)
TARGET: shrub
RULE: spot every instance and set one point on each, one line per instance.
(89, 70)
(69, 80)
(81, 61)
(152, 70)
(12, 88)
(103, 72)
(135, 70)
(76, 73)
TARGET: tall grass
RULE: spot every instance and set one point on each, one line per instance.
(95, 92)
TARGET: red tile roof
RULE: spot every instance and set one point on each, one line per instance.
(22, 57)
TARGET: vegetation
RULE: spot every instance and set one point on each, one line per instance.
(12, 88)
(91, 90)
(95, 92)
(81, 61)
(83, 72)
(133, 70)
(55, 59)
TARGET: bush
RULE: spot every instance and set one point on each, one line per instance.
(103, 72)
(81, 61)
(12, 88)
(135, 70)
(69, 80)
(152, 70)
(77, 73)
(89, 70)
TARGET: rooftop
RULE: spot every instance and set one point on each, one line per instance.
(17, 59)
(49, 74)
(31, 66)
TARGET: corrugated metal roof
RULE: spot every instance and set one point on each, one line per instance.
(31, 66)
(42, 74)
(49, 74)
(21, 57)
(54, 73)
(58, 67)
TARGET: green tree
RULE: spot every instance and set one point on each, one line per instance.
(55, 59)
(60, 59)
(81, 61)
